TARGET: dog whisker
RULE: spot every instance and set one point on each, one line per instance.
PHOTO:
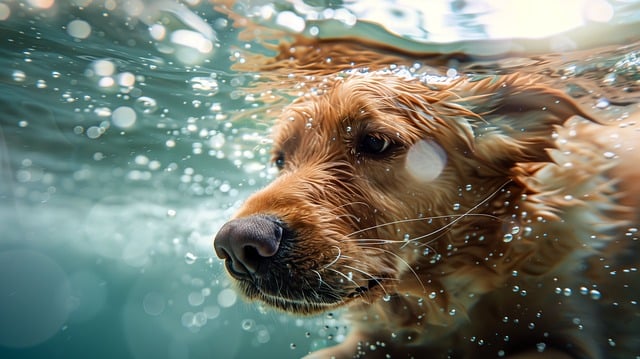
(402, 221)
(464, 215)
(335, 260)
(456, 216)
(424, 289)
(348, 278)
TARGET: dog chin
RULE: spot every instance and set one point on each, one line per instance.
(311, 306)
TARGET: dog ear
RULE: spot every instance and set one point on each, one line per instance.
(516, 118)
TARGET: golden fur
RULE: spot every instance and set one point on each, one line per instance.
(537, 198)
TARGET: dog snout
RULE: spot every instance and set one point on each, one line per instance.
(246, 244)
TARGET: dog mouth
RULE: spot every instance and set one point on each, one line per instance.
(312, 299)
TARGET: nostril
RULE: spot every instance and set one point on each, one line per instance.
(246, 244)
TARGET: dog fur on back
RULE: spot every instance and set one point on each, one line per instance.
(474, 218)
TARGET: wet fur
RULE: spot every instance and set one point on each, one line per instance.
(423, 265)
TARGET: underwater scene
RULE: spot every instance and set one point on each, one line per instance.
(131, 131)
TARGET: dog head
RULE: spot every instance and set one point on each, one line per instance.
(378, 178)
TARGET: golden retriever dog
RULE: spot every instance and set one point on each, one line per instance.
(473, 218)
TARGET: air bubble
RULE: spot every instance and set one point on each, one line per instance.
(146, 105)
(79, 29)
(508, 237)
(195, 299)
(247, 324)
(123, 117)
(19, 76)
(190, 258)
(227, 298)
(602, 103)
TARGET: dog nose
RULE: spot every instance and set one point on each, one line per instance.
(246, 244)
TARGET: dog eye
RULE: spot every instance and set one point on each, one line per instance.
(373, 145)
(279, 160)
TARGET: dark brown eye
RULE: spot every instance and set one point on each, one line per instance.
(372, 145)
(279, 160)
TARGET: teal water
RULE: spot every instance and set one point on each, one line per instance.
(127, 140)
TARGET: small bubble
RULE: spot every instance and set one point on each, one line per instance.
(79, 29)
(227, 298)
(452, 312)
(190, 258)
(567, 292)
(19, 76)
(612, 343)
(199, 319)
(188, 319)
(123, 117)
(595, 294)
(103, 67)
(432, 295)
(508, 237)
(292, 346)
(386, 297)
(94, 132)
(146, 105)
(195, 299)
(456, 206)
(602, 103)
(247, 324)
(540, 347)
(584, 290)
(609, 155)
(171, 213)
